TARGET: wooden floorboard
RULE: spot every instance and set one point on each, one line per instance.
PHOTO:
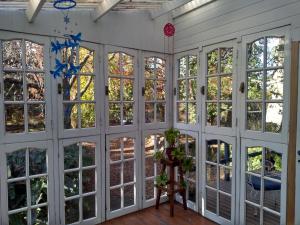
(151, 216)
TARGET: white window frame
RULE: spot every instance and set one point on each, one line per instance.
(58, 98)
(279, 148)
(187, 126)
(47, 133)
(99, 178)
(267, 136)
(8, 148)
(231, 131)
(122, 128)
(206, 213)
(156, 125)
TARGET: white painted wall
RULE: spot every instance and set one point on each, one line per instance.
(127, 29)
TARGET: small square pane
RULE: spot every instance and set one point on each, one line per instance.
(181, 112)
(115, 149)
(88, 115)
(192, 89)
(19, 218)
(254, 116)
(211, 200)
(71, 156)
(114, 114)
(114, 65)
(149, 167)
(34, 56)
(39, 216)
(149, 90)
(88, 207)
(160, 112)
(16, 164)
(225, 155)
(270, 218)
(14, 118)
(253, 188)
(12, 54)
(192, 113)
(226, 88)
(225, 206)
(128, 171)
(36, 117)
(255, 54)
(252, 215)
(226, 115)
(226, 60)
(275, 51)
(128, 89)
(88, 154)
(254, 159)
(149, 112)
(274, 117)
(72, 211)
(160, 90)
(212, 62)
(129, 147)
(17, 195)
(71, 183)
(211, 175)
(13, 86)
(115, 174)
(160, 68)
(182, 67)
(181, 90)
(128, 113)
(212, 88)
(149, 71)
(212, 151)
(225, 182)
(39, 190)
(87, 88)
(273, 164)
(71, 115)
(35, 83)
(274, 84)
(192, 66)
(272, 194)
(129, 194)
(114, 86)
(115, 199)
(127, 65)
(255, 85)
(70, 88)
(149, 189)
(86, 60)
(88, 180)
(37, 161)
(191, 192)
(211, 114)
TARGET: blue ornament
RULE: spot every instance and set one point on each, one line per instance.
(67, 19)
(64, 4)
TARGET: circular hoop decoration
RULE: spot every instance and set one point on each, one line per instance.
(169, 30)
(64, 4)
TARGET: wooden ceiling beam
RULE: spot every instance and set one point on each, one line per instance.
(33, 9)
(104, 7)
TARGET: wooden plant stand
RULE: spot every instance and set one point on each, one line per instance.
(171, 191)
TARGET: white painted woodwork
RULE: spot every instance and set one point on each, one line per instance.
(104, 8)
(34, 7)
(167, 7)
(188, 7)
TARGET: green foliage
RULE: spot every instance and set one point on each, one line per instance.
(179, 153)
(158, 155)
(161, 180)
(171, 136)
(187, 164)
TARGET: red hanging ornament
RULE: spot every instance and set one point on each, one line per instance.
(169, 30)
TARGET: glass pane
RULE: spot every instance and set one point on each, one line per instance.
(149, 189)
(12, 54)
(128, 151)
(149, 90)
(114, 86)
(160, 90)
(225, 179)
(226, 60)
(275, 51)
(182, 67)
(127, 62)
(149, 167)
(35, 86)
(160, 112)
(182, 89)
(13, 86)
(225, 114)
(128, 171)
(19, 218)
(149, 67)
(39, 188)
(149, 112)
(192, 89)
(115, 174)
(274, 84)
(36, 117)
(256, 54)
(270, 218)
(17, 195)
(39, 216)
(87, 115)
(72, 211)
(128, 113)
(114, 114)
(88, 153)
(114, 65)
(211, 114)
(34, 56)
(254, 116)
(193, 66)
(212, 62)
(254, 159)
(115, 199)
(211, 200)
(71, 156)
(225, 206)
(274, 117)
(255, 85)
(115, 150)
(88, 207)
(253, 188)
(192, 192)
(86, 60)
(160, 68)
(192, 113)
(14, 118)
(181, 113)
(211, 175)
(212, 151)
(88, 180)
(87, 88)
(71, 184)
(272, 191)
(225, 157)
(16, 164)
(226, 88)
(149, 146)
(212, 88)
(127, 90)
(71, 116)
(273, 164)
(70, 88)
(128, 195)
(252, 215)
(37, 161)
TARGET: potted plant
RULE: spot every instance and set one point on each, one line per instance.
(171, 137)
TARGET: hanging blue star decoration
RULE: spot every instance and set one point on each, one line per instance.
(66, 19)
(66, 70)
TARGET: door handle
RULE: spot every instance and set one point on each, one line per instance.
(242, 87)
(202, 90)
(59, 88)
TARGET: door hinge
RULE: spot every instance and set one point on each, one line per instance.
(106, 90)
(174, 91)
(0, 88)
(59, 88)
(236, 122)
(143, 91)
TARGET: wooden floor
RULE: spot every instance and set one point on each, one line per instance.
(151, 216)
